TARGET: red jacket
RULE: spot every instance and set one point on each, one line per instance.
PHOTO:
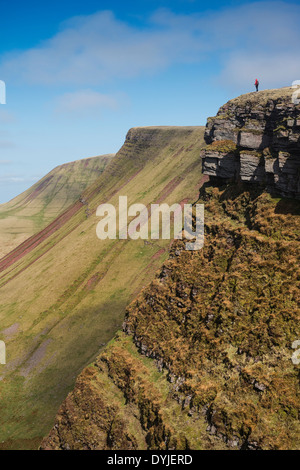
(256, 82)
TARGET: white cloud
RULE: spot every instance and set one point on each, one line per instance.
(255, 39)
(272, 70)
(17, 179)
(262, 41)
(95, 48)
(84, 101)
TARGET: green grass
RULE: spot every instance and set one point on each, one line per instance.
(34, 209)
(51, 292)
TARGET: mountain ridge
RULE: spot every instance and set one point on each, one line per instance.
(35, 208)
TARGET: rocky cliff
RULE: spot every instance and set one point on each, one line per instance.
(205, 357)
(256, 139)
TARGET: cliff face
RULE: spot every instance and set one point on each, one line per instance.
(256, 139)
(204, 359)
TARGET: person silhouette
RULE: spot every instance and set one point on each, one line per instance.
(256, 84)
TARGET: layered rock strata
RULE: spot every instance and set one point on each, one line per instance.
(256, 139)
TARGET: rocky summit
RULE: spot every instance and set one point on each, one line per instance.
(256, 139)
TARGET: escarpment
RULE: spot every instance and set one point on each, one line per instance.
(204, 360)
(64, 291)
(256, 139)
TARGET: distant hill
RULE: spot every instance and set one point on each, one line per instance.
(32, 210)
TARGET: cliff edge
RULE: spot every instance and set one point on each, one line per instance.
(256, 139)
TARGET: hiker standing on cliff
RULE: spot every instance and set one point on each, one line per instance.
(256, 84)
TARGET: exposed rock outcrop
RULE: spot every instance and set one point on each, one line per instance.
(256, 139)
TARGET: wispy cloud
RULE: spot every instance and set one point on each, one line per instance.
(259, 38)
(17, 179)
(273, 70)
(93, 49)
(84, 102)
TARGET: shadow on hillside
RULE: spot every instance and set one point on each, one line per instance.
(288, 206)
(284, 205)
(231, 189)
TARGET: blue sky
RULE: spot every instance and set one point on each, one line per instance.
(80, 74)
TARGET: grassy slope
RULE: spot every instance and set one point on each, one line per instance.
(220, 324)
(34, 209)
(262, 97)
(66, 297)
